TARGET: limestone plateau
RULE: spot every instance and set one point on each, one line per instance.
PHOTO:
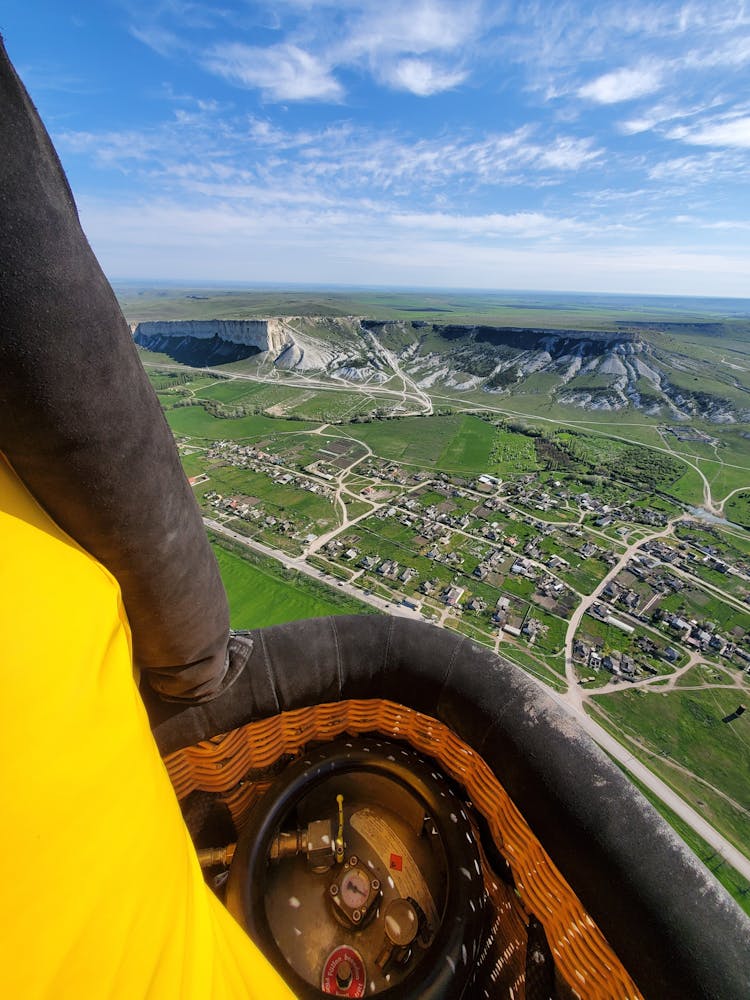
(591, 370)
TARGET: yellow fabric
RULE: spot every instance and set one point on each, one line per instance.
(101, 894)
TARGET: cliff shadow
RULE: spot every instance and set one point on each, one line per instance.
(198, 352)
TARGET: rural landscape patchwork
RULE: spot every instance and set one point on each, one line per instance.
(565, 479)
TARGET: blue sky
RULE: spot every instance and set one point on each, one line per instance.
(541, 145)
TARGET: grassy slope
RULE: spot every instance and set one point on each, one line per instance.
(738, 509)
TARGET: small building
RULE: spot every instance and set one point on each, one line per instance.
(623, 626)
(452, 595)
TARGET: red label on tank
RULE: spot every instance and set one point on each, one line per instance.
(344, 973)
(397, 862)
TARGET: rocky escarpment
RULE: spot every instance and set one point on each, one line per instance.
(205, 342)
(289, 342)
(593, 370)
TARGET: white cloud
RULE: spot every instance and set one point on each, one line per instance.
(394, 28)
(208, 153)
(706, 168)
(722, 225)
(282, 72)
(636, 126)
(528, 225)
(110, 148)
(423, 78)
(565, 153)
(622, 85)
(733, 132)
(398, 42)
(161, 40)
(663, 113)
(169, 240)
(733, 53)
(393, 40)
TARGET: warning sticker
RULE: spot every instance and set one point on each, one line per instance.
(392, 851)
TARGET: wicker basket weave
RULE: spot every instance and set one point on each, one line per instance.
(235, 765)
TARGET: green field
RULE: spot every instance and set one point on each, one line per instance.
(737, 886)
(470, 447)
(418, 441)
(230, 390)
(699, 604)
(686, 727)
(333, 406)
(194, 421)
(250, 395)
(459, 443)
(261, 592)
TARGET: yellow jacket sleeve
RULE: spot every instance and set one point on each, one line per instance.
(101, 894)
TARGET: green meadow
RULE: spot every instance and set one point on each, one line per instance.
(261, 592)
(737, 886)
(194, 421)
(681, 736)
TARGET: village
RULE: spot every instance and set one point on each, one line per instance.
(504, 562)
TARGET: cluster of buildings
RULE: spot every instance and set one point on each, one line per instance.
(248, 509)
(524, 491)
(467, 512)
(257, 460)
(615, 661)
(701, 635)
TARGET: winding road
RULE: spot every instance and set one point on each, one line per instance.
(575, 695)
